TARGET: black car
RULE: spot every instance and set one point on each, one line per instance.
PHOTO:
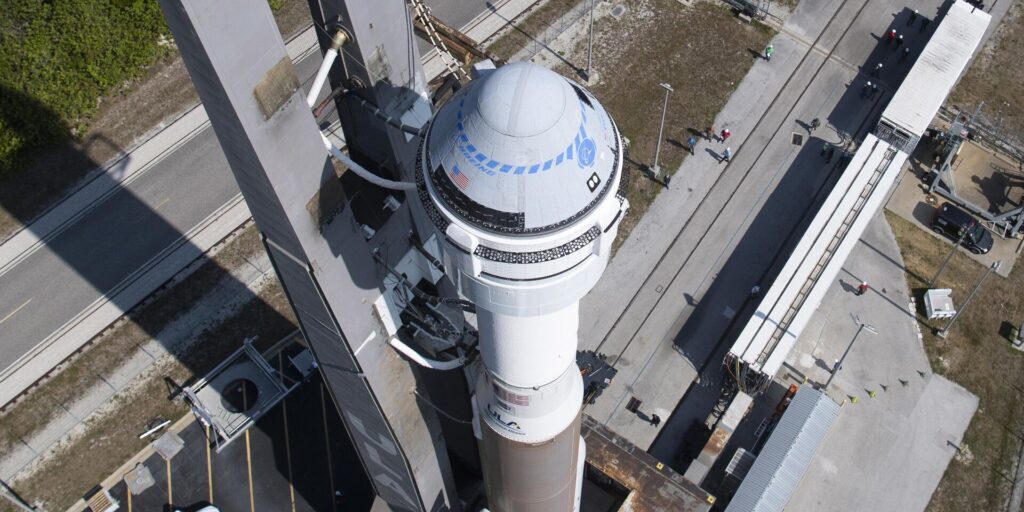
(952, 221)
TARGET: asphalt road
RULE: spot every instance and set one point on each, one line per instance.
(120, 234)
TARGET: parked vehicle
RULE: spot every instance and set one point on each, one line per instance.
(951, 222)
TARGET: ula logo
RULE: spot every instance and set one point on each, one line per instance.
(497, 417)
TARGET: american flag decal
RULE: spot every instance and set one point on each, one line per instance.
(458, 178)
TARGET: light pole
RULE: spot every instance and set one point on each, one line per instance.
(590, 41)
(945, 330)
(960, 240)
(661, 130)
(861, 326)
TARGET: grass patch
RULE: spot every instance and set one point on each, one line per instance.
(58, 58)
(977, 355)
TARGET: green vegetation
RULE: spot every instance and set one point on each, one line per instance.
(58, 58)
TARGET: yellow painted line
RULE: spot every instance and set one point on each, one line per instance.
(12, 313)
(170, 498)
(248, 463)
(287, 442)
(209, 466)
(157, 207)
(327, 437)
(129, 495)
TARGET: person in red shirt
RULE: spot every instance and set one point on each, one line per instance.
(725, 134)
(862, 288)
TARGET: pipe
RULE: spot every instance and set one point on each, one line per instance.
(362, 172)
(321, 76)
(433, 364)
(340, 37)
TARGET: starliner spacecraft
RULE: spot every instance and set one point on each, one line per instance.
(435, 273)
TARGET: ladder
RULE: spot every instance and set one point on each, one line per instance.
(422, 13)
(833, 245)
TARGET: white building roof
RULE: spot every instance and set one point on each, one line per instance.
(938, 68)
(777, 471)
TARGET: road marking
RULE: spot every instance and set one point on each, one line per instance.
(209, 466)
(287, 442)
(170, 499)
(12, 313)
(129, 495)
(248, 463)
(157, 207)
(327, 437)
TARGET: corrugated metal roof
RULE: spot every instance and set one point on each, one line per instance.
(785, 457)
(938, 68)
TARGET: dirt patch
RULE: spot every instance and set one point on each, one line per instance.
(124, 118)
(530, 24)
(996, 76)
(977, 355)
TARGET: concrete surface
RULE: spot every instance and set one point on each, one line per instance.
(886, 452)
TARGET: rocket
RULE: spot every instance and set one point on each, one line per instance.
(519, 175)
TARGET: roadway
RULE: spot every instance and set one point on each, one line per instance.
(117, 236)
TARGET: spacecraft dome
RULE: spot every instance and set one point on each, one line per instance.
(521, 151)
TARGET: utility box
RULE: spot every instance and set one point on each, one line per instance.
(938, 303)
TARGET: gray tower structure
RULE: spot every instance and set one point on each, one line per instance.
(324, 254)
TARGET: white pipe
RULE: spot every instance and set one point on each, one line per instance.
(362, 172)
(321, 76)
(424, 362)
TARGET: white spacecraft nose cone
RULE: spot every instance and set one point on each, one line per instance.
(521, 151)
(522, 100)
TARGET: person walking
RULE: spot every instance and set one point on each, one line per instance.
(709, 133)
(726, 134)
(877, 71)
(755, 291)
(862, 288)
(874, 90)
(726, 155)
(825, 149)
(924, 23)
(891, 35)
(912, 18)
(655, 420)
(692, 142)
(768, 51)
(904, 54)
(828, 156)
(866, 90)
(815, 123)
(899, 41)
